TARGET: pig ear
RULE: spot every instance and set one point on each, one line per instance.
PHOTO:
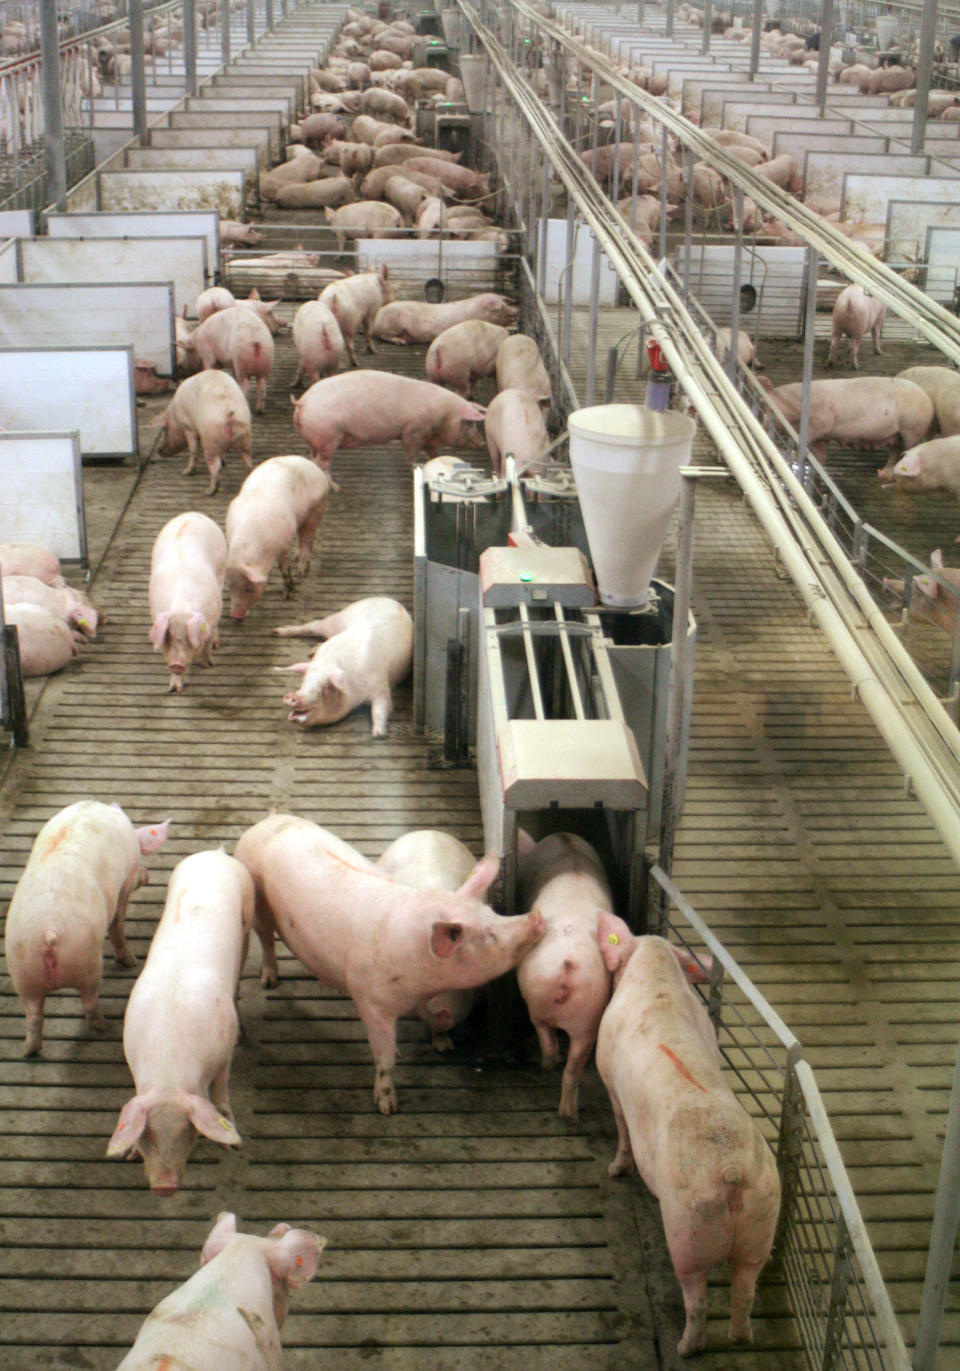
(384, 272)
(220, 1234)
(481, 878)
(444, 937)
(254, 294)
(133, 1119)
(278, 1230)
(936, 560)
(293, 1258)
(337, 680)
(908, 465)
(695, 967)
(614, 940)
(153, 837)
(158, 631)
(298, 667)
(210, 1122)
(196, 629)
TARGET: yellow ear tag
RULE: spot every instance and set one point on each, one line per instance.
(203, 627)
(83, 623)
(613, 939)
(224, 1123)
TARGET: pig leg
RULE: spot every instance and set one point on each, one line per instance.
(306, 534)
(549, 1047)
(876, 331)
(261, 394)
(855, 352)
(380, 707)
(694, 1287)
(577, 1057)
(193, 447)
(33, 1004)
(623, 1161)
(366, 333)
(834, 346)
(244, 449)
(382, 1035)
(88, 998)
(416, 435)
(743, 1284)
(266, 931)
(348, 344)
(214, 463)
(315, 629)
(115, 931)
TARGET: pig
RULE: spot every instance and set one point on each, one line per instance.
(365, 219)
(855, 313)
(374, 183)
(695, 1146)
(45, 642)
(385, 104)
(431, 217)
(354, 303)
(180, 1026)
(296, 169)
(886, 79)
(934, 465)
(863, 411)
(563, 980)
(228, 1315)
(83, 867)
(146, 381)
(329, 192)
(854, 75)
(602, 161)
(461, 354)
(361, 408)
(734, 138)
(929, 601)
(748, 155)
(318, 129)
(238, 338)
(208, 412)
(746, 352)
(942, 385)
(519, 366)
(234, 233)
(283, 499)
(647, 214)
(414, 321)
(468, 184)
(404, 195)
(514, 427)
(188, 362)
(368, 649)
(211, 300)
(382, 60)
(30, 559)
(186, 588)
(395, 153)
(318, 340)
(386, 945)
(72, 606)
(707, 187)
(368, 130)
(432, 860)
(783, 172)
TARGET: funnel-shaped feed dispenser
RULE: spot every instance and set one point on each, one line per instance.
(626, 461)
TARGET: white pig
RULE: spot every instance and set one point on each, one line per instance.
(208, 413)
(942, 386)
(354, 303)
(30, 559)
(693, 1143)
(83, 867)
(72, 606)
(46, 644)
(928, 466)
(514, 427)
(463, 353)
(520, 367)
(181, 1025)
(283, 499)
(386, 945)
(228, 1315)
(856, 313)
(432, 860)
(563, 979)
(368, 649)
(238, 338)
(186, 590)
(318, 340)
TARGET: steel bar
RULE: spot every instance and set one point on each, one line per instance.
(809, 335)
(138, 74)
(190, 46)
(56, 161)
(735, 299)
(536, 695)
(225, 31)
(565, 648)
(823, 64)
(705, 27)
(593, 318)
(251, 20)
(928, 33)
(680, 670)
(756, 26)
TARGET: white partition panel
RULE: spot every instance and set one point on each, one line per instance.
(194, 159)
(94, 316)
(867, 197)
(943, 255)
(258, 138)
(823, 172)
(90, 390)
(9, 261)
(425, 257)
(776, 275)
(172, 190)
(182, 261)
(16, 223)
(41, 492)
(143, 224)
(579, 278)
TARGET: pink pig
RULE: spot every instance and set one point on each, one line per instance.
(186, 588)
(432, 860)
(514, 427)
(693, 1143)
(361, 408)
(282, 500)
(72, 606)
(461, 354)
(415, 321)
(181, 1025)
(228, 1315)
(563, 979)
(208, 413)
(934, 465)
(354, 303)
(520, 367)
(318, 340)
(46, 644)
(855, 313)
(83, 867)
(368, 650)
(386, 945)
(30, 559)
(864, 411)
(238, 338)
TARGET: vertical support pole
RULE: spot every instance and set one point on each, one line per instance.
(946, 1212)
(251, 20)
(532, 215)
(268, 12)
(756, 25)
(928, 31)
(56, 157)
(225, 31)
(190, 46)
(669, 26)
(707, 22)
(138, 71)
(592, 327)
(808, 341)
(664, 163)
(823, 65)
(544, 224)
(636, 169)
(640, 12)
(568, 297)
(615, 181)
(737, 270)
(681, 673)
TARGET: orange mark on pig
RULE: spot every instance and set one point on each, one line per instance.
(680, 1066)
(53, 843)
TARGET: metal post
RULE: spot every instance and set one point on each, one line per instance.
(808, 341)
(928, 27)
(592, 328)
(756, 25)
(138, 72)
(735, 304)
(669, 27)
(225, 31)
(687, 230)
(823, 66)
(544, 225)
(707, 21)
(532, 216)
(837, 1310)
(251, 20)
(664, 161)
(568, 298)
(946, 1212)
(268, 11)
(680, 669)
(634, 190)
(56, 157)
(190, 46)
(615, 181)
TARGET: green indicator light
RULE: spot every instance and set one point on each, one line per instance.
(526, 575)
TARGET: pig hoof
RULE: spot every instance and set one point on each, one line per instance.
(176, 687)
(442, 1042)
(126, 958)
(268, 979)
(31, 1048)
(384, 1097)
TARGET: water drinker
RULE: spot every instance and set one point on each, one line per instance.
(887, 26)
(626, 461)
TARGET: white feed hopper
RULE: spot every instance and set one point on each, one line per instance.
(626, 460)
